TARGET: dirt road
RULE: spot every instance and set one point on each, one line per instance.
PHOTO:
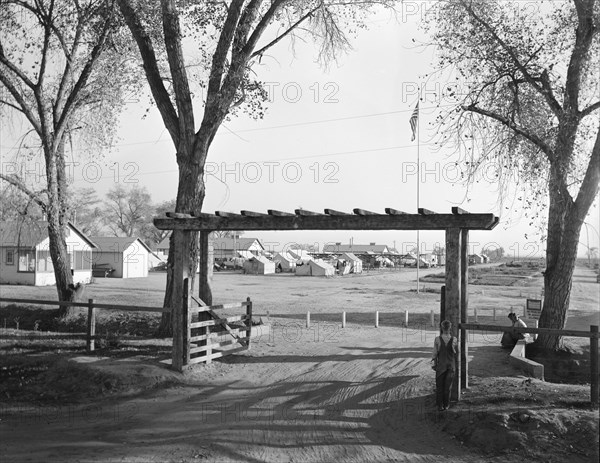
(361, 395)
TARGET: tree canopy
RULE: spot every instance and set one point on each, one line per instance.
(63, 70)
(528, 104)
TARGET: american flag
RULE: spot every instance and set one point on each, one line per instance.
(413, 121)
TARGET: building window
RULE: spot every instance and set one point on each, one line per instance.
(26, 260)
(10, 257)
(44, 262)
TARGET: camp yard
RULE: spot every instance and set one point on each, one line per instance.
(299, 394)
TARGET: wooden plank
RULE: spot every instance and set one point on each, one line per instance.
(458, 210)
(217, 345)
(248, 321)
(221, 353)
(225, 325)
(275, 213)
(45, 335)
(307, 220)
(198, 301)
(204, 337)
(390, 211)
(358, 211)
(205, 276)
(464, 307)
(305, 213)
(132, 308)
(203, 215)
(227, 214)
(91, 326)
(233, 305)
(44, 302)
(551, 331)
(423, 211)
(206, 266)
(124, 308)
(334, 212)
(194, 360)
(442, 306)
(201, 337)
(178, 215)
(253, 214)
(453, 299)
(181, 242)
(594, 364)
(219, 321)
(185, 316)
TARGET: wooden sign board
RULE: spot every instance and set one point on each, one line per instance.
(533, 308)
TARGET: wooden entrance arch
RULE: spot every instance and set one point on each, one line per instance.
(457, 226)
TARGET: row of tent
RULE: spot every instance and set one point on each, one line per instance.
(300, 262)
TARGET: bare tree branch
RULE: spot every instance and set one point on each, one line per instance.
(590, 109)
(83, 77)
(584, 35)
(157, 87)
(18, 183)
(513, 126)
(276, 40)
(220, 55)
(25, 107)
(588, 190)
(47, 34)
(20, 74)
(176, 61)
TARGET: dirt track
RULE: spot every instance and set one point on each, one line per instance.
(366, 396)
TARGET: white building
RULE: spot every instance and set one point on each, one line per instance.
(25, 254)
(127, 257)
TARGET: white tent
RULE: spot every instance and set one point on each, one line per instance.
(355, 262)
(299, 254)
(288, 263)
(244, 254)
(259, 266)
(315, 268)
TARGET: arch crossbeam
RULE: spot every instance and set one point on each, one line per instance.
(330, 219)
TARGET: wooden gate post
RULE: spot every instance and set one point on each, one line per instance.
(206, 264)
(453, 290)
(91, 326)
(594, 364)
(179, 319)
(442, 306)
(464, 307)
(205, 275)
(249, 320)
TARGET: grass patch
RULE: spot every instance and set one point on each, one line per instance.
(507, 274)
(109, 323)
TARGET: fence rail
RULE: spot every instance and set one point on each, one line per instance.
(572, 333)
(592, 334)
(209, 344)
(125, 308)
(90, 335)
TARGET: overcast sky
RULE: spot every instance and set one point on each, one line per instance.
(336, 138)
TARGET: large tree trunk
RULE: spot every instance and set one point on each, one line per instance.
(564, 227)
(190, 197)
(56, 216)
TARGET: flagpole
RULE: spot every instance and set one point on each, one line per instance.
(418, 188)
